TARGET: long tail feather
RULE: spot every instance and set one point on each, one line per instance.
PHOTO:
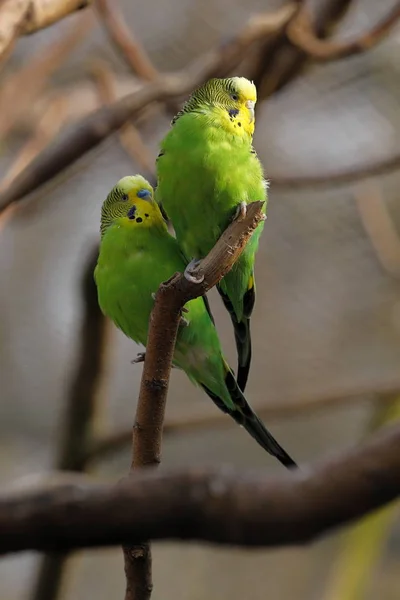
(245, 416)
(243, 346)
(242, 333)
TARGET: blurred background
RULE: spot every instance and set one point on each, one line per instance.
(326, 327)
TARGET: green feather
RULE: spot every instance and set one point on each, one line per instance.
(136, 254)
(206, 168)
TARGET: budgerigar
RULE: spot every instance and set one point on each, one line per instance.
(136, 254)
(208, 170)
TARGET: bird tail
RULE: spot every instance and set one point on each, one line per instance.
(242, 332)
(243, 414)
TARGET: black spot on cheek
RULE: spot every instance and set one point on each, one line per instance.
(131, 212)
(139, 220)
(146, 215)
(233, 112)
(239, 124)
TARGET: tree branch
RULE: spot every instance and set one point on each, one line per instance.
(279, 62)
(301, 34)
(163, 327)
(206, 419)
(20, 17)
(34, 75)
(92, 130)
(379, 227)
(371, 169)
(224, 506)
(131, 50)
(129, 137)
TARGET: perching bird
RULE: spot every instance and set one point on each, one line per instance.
(136, 254)
(208, 170)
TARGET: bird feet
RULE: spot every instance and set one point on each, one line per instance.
(183, 322)
(188, 273)
(139, 358)
(241, 211)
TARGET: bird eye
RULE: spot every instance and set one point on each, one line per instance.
(234, 97)
(124, 197)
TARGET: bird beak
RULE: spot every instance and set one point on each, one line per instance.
(250, 105)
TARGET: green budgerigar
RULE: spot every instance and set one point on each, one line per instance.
(207, 171)
(137, 253)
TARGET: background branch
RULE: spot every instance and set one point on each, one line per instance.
(92, 130)
(371, 169)
(300, 33)
(379, 227)
(34, 76)
(131, 51)
(279, 61)
(20, 17)
(225, 506)
(129, 135)
(206, 419)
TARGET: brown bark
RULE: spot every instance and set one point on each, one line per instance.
(163, 328)
(220, 505)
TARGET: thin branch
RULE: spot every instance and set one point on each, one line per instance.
(77, 424)
(130, 49)
(20, 17)
(129, 136)
(224, 506)
(92, 130)
(357, 173)
(300, 33)
(50, 123)
(204, 419)
(52, 120)
(163, 327)
(379, 227)
(279, 62)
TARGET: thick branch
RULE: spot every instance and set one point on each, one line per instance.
(300, 33)
(225, 506)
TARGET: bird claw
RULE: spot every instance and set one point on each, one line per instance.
(188, 273)
(153, 295)
(241, 211)
(139, 358)
(184, 322)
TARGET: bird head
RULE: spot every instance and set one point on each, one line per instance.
(131, 203)
(230, 102)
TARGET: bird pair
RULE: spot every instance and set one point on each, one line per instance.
(207, 170)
